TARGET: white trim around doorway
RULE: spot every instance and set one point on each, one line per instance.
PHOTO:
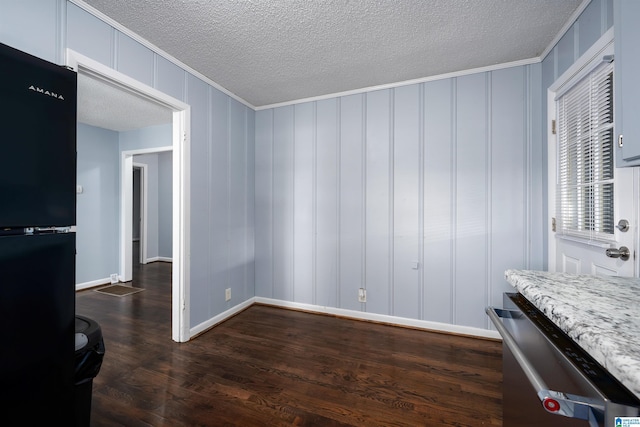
(181, 183)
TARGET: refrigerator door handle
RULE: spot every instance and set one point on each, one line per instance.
(47, 230)
(554, 402)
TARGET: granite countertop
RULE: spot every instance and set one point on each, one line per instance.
(602, 314)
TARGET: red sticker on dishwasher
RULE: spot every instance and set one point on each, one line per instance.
(551, 405)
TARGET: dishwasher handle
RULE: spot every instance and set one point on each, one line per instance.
(554, 402)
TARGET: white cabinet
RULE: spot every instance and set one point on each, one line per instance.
(626, 17)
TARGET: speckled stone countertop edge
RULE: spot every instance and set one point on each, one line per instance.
(602, 314)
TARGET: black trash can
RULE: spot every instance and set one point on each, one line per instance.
(88, 360)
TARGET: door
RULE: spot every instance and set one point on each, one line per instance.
(38, 145)
(37, 301)
(592, 204)
(139, 231)
(579, 256)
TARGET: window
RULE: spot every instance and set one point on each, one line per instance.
(585, 157)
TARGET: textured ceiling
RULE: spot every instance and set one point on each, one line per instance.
(103, 105)
(273, 51)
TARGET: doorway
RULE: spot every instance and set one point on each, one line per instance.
(180, 113)
(139, 235)
(592, 216)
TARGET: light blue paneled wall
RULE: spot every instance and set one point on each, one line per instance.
(153, 211)
(165, 205)
(33, 26)
(98, 215)
(159, 203)
(147, 138)
(592, 23)
(221, 200)
(150, 137)
(423, 194)
(90, 36)
(98, 209)
(222, 173)
(351, 190)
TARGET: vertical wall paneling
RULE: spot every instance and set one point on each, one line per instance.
(61, 31)
(471, 199)
(439, 171)
(406, 292)
(89, 36)
(590, 26)
(264, 209)
(169, 78)
(509, 190)
(536, 167)
(200, 250)
(419, 265)
(326, 203)
(607, 19)
(237, 147)
(219, 200)
(249, 192)
(566, 51)
(547, 77)
(351, 194)
(283, 155)
(378, 193)
(165, 203)
(31, 26)
(134, 59)
(303, 227)
(412, 193)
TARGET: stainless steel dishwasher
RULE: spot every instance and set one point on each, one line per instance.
(548, 379)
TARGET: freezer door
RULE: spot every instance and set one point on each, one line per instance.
(37, 142)
(37, 302)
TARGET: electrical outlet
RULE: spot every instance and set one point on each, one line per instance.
(362, 295)
(227, 294)
(114, 278)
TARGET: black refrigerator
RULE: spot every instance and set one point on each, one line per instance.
(37, 239)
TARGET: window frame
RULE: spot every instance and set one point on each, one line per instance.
(585, 181)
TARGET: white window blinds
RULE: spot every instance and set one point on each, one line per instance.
(585, 157)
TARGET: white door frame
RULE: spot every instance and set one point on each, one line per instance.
(604, 46)
(127, 203)
(143, 210)
(181, 185)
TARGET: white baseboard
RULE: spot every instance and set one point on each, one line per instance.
(107, 280)
(93, 283)
(352, 314)
(204, 326)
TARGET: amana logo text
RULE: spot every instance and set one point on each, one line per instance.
(46, 92)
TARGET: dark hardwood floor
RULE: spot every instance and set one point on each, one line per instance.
(269, 366)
